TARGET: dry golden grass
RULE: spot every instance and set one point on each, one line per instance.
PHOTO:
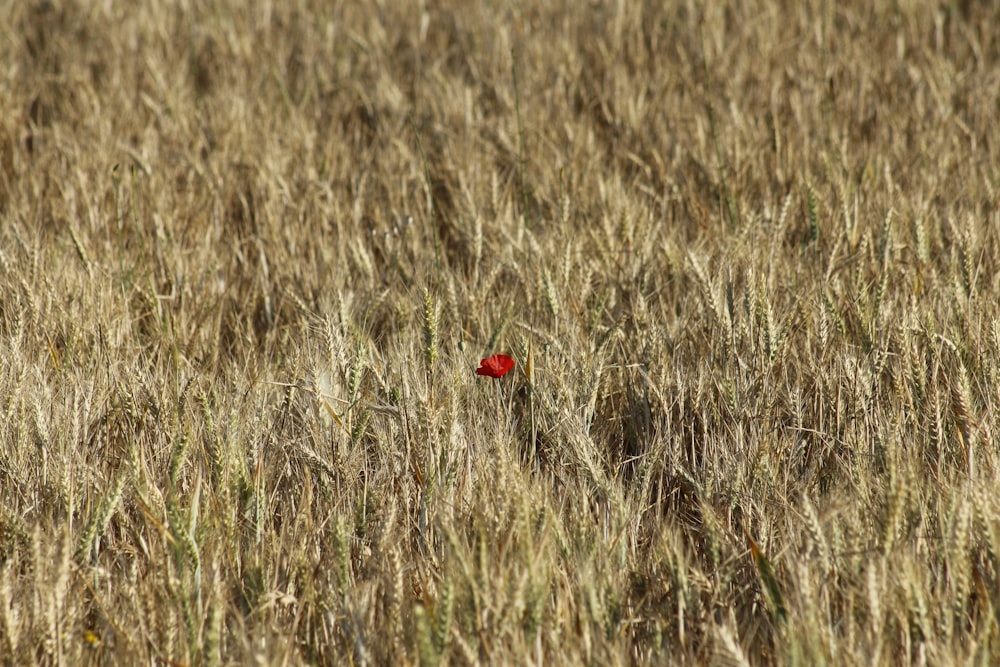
(251, 255)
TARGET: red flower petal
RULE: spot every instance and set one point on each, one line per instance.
(496, 366)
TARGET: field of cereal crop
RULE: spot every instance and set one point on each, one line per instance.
(745, 258)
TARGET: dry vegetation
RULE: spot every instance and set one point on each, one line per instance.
(747, 261)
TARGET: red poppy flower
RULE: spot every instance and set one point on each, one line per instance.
(496, 366)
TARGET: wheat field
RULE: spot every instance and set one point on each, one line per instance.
(744, 255)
